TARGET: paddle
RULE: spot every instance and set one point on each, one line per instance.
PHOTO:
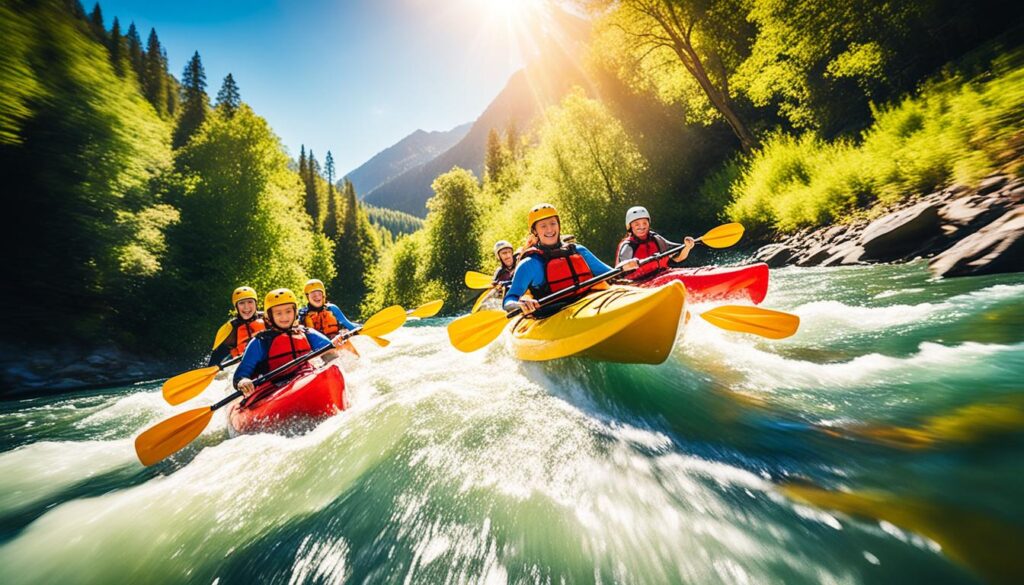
(763, 322)
(170, 436)
(426, 309)
(187, 386)
(477, 280)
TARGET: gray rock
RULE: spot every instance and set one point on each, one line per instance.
(845, 256)
(815, 255)
(995, 248)
(992, 183)
(892, 236)
(775, 255)
(965, 210)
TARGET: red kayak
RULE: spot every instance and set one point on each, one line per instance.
(311, 395)
(713, 283)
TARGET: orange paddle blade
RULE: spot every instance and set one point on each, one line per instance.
(187, 386)
(723, 236)
(763, 322)
(475, 331)
(170, 436)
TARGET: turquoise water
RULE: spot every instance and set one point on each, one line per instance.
(881, 444)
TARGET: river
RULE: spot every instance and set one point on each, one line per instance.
(883, 443)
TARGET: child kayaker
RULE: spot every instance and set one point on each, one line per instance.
(506, 262)
(548, 265)
(642, 242)
(234, 336)
(283, 341)
(321, 315)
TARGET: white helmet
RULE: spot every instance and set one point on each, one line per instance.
(636, 213)
(501, 245)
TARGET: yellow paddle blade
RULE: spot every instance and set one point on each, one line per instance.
(222, 334)
(171, 435)
(477, 280)
(427, 309)
(187, 386)
(475, 331)
(385, 321)
(480, 300)
(723, 236)
(379, 340)
(763, 322)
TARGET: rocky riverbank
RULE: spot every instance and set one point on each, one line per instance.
(961, 231)
(28, 371)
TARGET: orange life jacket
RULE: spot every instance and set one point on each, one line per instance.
(322, 319)
(564, 267)
(245, 331)
(287, 346)
(643, 249)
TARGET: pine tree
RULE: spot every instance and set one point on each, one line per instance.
(135, 55)
(229, 98)
(154, 81)
(96, 24)
(312, 199)
(494, 157)
(302, 163)
(194, 101)
(331, 217)
(512, 140)
(329, 169)
(355, 251)
(117, 50)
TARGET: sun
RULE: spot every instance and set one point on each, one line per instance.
(511, 11)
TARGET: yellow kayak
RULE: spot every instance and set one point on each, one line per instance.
(619, 324)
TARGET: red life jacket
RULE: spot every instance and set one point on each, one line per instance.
(287, 346)
(322, 319)
(643, 249)
(245, 331)
(563, 267)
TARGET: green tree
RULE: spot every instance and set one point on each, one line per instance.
(495, 156)
(590, 166)
(684, 51)
(154, 82)
(356, 251)
(313, 190)
(229, 98)
(453, 230)
(241, 222)
(79, 161)
(118, 50)
(195, 104)
(135, 54)
(99, 30)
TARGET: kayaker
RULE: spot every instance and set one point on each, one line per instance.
(548, 265)
(321, 315)
(642, 242)
(507, 262)
(234, 336)
(283, 341)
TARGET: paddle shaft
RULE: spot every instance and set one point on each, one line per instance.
(281, 369)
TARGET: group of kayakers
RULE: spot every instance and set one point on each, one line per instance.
(549, 262)
(280, 333)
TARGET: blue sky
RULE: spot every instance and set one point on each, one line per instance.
(353, 77)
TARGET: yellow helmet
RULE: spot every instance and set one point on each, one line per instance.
(541, 211)
(277, 297)
(314, 284)
(242, 293)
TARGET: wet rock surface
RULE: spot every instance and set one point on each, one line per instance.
(963, 231)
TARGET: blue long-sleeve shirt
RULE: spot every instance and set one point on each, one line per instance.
(530, 273)
(254, 360)
(342, 319)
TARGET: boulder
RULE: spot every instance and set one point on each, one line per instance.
(992, 183)
(815, 256)
(774, 255)
(892, 236)
(995, 248)
(845, 256)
